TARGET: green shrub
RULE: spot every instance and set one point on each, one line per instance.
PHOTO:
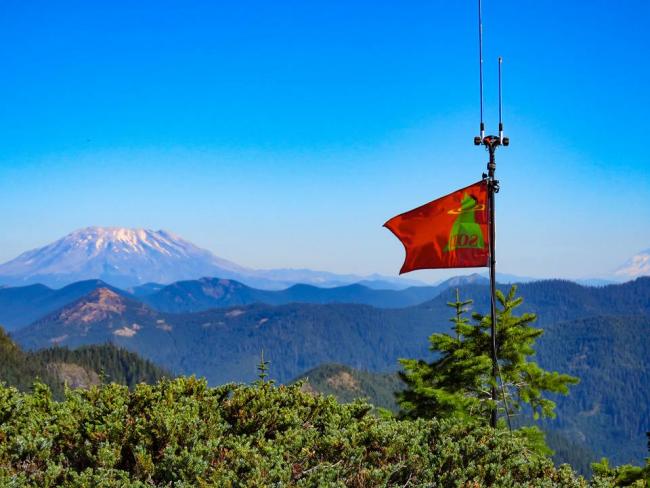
(182, 433)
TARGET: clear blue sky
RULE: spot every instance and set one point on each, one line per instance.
(283, 134)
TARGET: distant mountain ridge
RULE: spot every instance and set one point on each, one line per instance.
(206, 293)
(130, 257)
(20, 306)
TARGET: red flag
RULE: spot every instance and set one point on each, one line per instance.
(450, 232)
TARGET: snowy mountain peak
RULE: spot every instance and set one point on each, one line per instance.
(120, 256)
(120, 239)
(637, 265)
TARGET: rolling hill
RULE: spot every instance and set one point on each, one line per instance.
(348, 384)
(22, 305)
(83, 367)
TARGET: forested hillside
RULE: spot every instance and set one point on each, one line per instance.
(19, 368)
(112, 363)
(225, 344)
(557, 300)
(85, 367)
(349, 384)
(611, 405)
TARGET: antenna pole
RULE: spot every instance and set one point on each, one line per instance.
(491, 144)
(480, 66)
(500, 102)
(493, 188)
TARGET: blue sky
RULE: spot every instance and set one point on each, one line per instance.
(283, 134)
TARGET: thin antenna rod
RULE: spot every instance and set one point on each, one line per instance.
(480, 64)
(500, 102)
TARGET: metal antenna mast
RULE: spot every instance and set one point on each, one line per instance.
(491, 144)
(500, 103)
(480, 67)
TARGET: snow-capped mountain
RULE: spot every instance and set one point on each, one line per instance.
(122, 257)
(129, 257)
(637, 265)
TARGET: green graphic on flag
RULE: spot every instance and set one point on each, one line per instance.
(465, 232)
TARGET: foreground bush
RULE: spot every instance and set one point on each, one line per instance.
(182, 433)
